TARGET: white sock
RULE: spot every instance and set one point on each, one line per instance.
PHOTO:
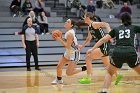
(104, 90)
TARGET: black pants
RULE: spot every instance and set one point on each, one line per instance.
(44, 28)
(15, 9)
(31, 47)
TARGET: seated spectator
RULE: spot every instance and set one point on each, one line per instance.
(43, 22)
(108, 3)
(80, 8)
(39, 6)
(125, 8)
(26, 7)
(15, 7)
(76, 4)
(91, 7)
(99, 3)
(34, 20)
(116, 1)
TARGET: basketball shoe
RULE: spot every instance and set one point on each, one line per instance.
(56, 81)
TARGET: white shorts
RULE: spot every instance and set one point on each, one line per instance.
(73, 56)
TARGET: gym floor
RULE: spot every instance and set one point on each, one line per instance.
(18, 80)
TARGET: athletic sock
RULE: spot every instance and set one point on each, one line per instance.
(59, 78)
(84, 68)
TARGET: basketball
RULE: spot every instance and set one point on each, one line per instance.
(56, 33)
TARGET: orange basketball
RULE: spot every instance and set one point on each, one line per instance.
(56, 33)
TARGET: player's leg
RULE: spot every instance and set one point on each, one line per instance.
(105, 60)
(62, 62)
(74, 57)
(71, 68)
(93, 55)
(108, 78)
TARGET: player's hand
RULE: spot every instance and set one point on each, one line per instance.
(80, 47)
(58, 38)
(89, 51)
(111, 40)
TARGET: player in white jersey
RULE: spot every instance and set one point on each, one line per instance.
(71, 55)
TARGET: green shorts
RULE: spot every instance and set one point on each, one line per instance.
(124, 54)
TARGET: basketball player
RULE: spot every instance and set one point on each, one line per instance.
(95, 32)
(71, 55)
(124, 51)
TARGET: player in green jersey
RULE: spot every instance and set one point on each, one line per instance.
(124, 50)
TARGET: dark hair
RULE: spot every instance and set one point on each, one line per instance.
(72, 23)
(126, 18)
(40, 14)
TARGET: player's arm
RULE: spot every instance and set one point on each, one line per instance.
(89, 37)
(66, 44)
(101, 41)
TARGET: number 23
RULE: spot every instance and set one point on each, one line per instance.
(124, 33)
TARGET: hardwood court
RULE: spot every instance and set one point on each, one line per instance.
(17, 80)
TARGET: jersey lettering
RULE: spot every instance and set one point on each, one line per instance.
(124, 33)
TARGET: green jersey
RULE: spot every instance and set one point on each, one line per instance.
(125, 35)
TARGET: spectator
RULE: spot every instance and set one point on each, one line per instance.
(26, 7)
(15, 7)
(34, 20)
(125, 8)
(39, 6)
(80, 8)
(30, 43)
(76, 4)
(91, 7)
(99, 3)
(109, 4)
(116, 1)
(43, 22)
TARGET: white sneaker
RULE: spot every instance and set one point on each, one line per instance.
(56, 81)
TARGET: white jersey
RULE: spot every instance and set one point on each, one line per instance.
(72, 53)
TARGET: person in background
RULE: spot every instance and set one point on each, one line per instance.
(43, 22)
(15, 7)
(125, 8)
(81, 9)
(91, 7)
(30, 42)
(27, 7)
(124, 50)
(34, 20)
(39, 7)
(109, 4)
(99, 3)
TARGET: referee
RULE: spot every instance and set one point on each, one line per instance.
(30, 42)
